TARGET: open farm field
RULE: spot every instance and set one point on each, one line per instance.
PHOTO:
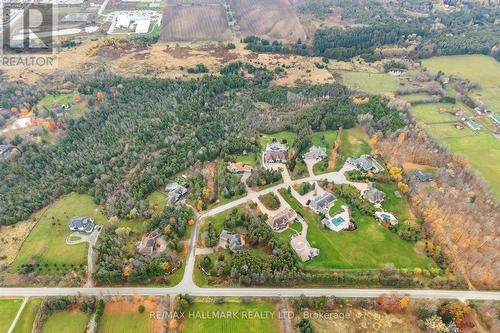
(481, 149)
(270, 19)
(73, 321)
(194, 23)
(25, 322)
(362, 320)
(476, 68)
(122, 316)
(231, 325)
(8, 311)
(46, 244)
(372, 83)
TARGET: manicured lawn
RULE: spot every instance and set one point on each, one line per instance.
(354, 142)
(266, 138)
(369, 246)
(66, 322)
(476, 68)
(47, 241)
(242, 322)
(369, 82)
(158, 199)
(8, 311)
(25, 322)
(398, 206)
(250, 158)
(481, 149)
(125, 317)
(285, 235)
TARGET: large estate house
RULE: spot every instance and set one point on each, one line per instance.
(315, 153)
(275, 153)
(81, 224)
(149, 243)
(323, 202)
(366, 163)
(175, 192)
(283, 219)
(232, 241)
(373, 195)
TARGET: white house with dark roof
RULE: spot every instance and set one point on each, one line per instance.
(81, 224)
(175, 192)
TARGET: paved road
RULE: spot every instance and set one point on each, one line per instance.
(187, 285)
(253, 292)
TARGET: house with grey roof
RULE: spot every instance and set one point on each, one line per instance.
(322, 203)
(423, 176)
(232, 241)
(81, 224)
(366, 163)
(315, 153)
(175, 192)
(6, 150)
(283, 219)
(149, 243)
(373, 195)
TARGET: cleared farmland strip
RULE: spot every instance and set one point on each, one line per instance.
(272, 19)
(195, 23)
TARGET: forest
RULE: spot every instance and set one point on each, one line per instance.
(143, 131)
(471, 30)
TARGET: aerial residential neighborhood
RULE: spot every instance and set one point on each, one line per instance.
(291, 166)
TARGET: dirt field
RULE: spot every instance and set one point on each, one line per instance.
(122, 315)
(11, 239)
(360, 320)
(271, 19)
(171, 60)
(195, 23)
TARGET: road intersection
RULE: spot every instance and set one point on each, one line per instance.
(187, 285)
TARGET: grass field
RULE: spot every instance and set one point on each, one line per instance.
(431, 113)
(25, 322)
(66, 322)
(415, 97)
(240, 322)
(476, 68)
(354, 142)
(369, 246)
(250, 158)
(8, 311)
(481, 149)
(78, 108)
(124, 317)
(292, 230)
(47, 241)
(279, 136)
(218, 220)
(370, 83)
